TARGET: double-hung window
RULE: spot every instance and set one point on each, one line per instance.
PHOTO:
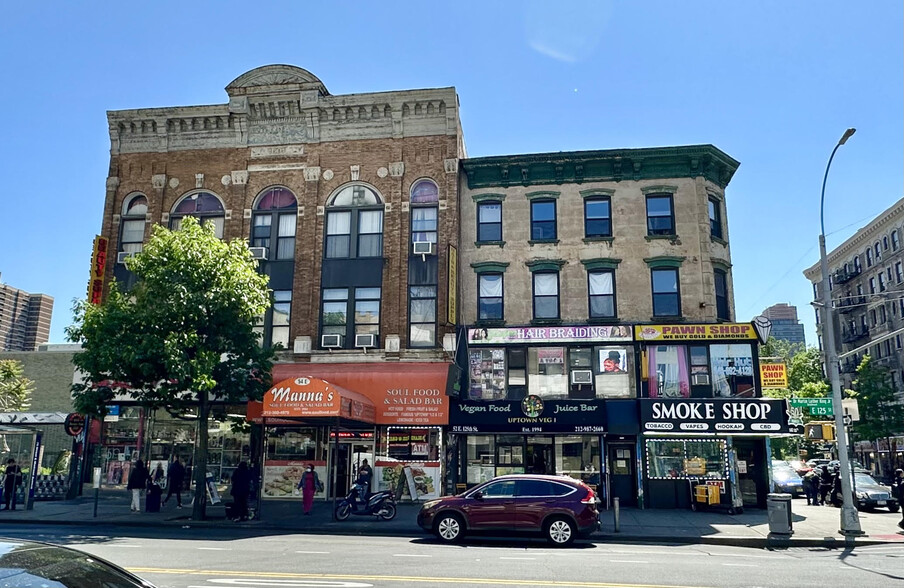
(546, 295)
(894, 240)
(666, 293)
(543, 220)
(720, 278)
(422, 271)
(367, 311)
(490, 296)
(133, 220)
(273, 223)
(597, 217)
(206, 207)
(489, 221)
(601, 288)
(660, 215)
(354, 224)
(715, 218)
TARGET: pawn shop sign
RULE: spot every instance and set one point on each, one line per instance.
(774, 375)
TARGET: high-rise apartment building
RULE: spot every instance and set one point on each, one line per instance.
(24, 319)
(785, 324)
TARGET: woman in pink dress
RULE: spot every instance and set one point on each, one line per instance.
(309, 485)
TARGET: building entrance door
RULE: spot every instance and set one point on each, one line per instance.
(622, 474)
(753, 479)
(539, 456)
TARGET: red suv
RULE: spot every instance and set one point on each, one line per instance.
(559, 507)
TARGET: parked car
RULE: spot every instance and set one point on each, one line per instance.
(786, 479)
(814, 463)
(561, 508)
(871, 494)
(27, 564)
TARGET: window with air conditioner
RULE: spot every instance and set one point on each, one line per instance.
(582, 377)
(365, 341)
(273, 225)
(331, 341)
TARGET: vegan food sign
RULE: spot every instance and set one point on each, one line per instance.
(565, 334)
(530, 415)
(723, 331)
(728, 416)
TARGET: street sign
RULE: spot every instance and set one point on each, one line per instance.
(816, 406)
(74, 424)
(848, 420)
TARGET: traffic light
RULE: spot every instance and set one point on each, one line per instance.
(823, 431)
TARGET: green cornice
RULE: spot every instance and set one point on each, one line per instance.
(662, 261)
(483, 197)
(545, 265)
(660, 189)
(610, 165)
(542, 194)
(489, 267)
(597, 192)
(601, 263)
(722, 265)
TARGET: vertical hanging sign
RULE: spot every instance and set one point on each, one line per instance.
(452, 286)
(98, 267)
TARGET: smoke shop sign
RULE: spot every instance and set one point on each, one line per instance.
(564, 334)
(725, 415)
(530, 415)
(723, 331)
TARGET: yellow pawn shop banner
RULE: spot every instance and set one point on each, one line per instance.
(774, 375)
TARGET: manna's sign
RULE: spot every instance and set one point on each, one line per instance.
(98, 267)
(719, 332)
(530, 415)
(774, 375)
(718, 415)
(565, 334)
(313, 397)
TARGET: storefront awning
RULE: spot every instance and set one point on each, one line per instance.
(403, 393)
(308, 397)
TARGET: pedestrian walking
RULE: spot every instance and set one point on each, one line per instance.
(309, 484)
(811, 487)
(11, 480)
(138, 481)
(175, 477)
(826, 481)
(241, 488)
(897, 490)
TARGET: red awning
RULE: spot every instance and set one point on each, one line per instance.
(307, 397)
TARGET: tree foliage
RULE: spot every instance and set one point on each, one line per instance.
(881, 415)
(15, 388)
(183, 336)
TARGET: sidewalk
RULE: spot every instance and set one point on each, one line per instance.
(813, 525)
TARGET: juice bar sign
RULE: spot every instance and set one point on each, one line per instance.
(728, 416)
(530, 415)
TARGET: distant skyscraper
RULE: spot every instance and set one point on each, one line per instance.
(785, 325)
(24, 319)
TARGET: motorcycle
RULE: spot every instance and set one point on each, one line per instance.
(378, 504)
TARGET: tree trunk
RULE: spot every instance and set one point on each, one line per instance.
(199, 508)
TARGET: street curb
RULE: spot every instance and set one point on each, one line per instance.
(771, 542)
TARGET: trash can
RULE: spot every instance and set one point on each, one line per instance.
(778, 507)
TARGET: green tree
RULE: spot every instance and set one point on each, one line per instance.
(15, 388)
(881, 415)
(182, 337)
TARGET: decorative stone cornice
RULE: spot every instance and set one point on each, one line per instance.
(600, 263)
(664, 261)
(655, 163)
(488, 196)
(543, 194)
(489, 267)
(585, 194)
(659, 189)
(721, 265)
(545, 265)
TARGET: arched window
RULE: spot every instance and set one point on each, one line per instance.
(206, 207)
(422, 269)
(273, 224)
(354, 223)
(131, 234)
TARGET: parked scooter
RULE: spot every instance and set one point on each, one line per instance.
(378, 504)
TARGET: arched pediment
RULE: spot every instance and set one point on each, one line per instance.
(275, 75)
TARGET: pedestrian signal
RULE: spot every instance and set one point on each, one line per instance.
(821, 431)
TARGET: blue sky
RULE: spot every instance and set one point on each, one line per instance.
(772, 83)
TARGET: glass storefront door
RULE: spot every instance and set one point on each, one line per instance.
(540, 455)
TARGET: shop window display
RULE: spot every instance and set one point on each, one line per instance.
(417, 448)
(487, 368)
(732, 369)
(700, 371)
(686, 458)
(613, 373)
(546, 374)
(481, 454)
(288, 452)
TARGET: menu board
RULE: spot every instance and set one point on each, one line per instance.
(426, 475)
(282, 477)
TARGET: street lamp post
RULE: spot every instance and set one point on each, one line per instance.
(850, 519)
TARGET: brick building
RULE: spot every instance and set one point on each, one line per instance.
(350, 204)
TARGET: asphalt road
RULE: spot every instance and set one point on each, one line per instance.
(224, 558)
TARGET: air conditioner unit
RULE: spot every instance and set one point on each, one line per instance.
(331, 341)
(581, 376)
(258, 252)
(365, 341)
(123, 255)
(423, 248)
(700, 379)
